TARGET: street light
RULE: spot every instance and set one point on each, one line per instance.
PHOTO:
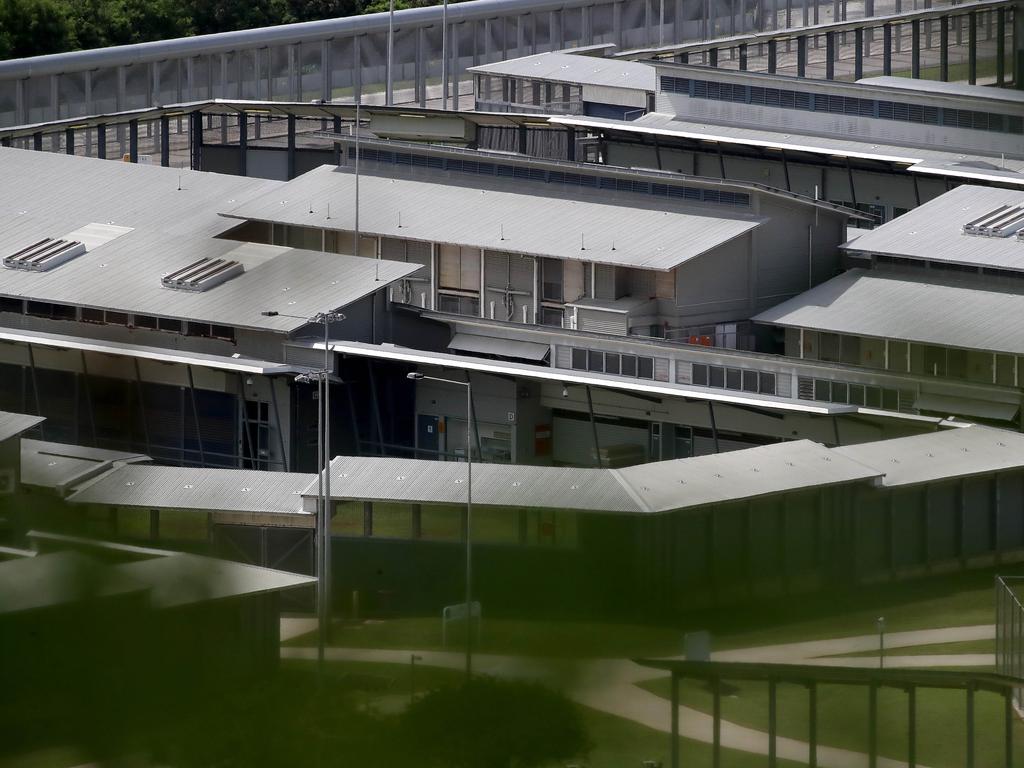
(469, 508)
(323, 437)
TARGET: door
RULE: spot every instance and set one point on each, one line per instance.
(426, 436)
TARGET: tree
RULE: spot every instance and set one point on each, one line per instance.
(33, 28)
(493, 723)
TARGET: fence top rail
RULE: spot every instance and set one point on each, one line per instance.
(807, 674)
(282, 34)
(791, 33)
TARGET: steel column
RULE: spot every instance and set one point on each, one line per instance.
(887, 49)
(195, 415)
(37, 142)
(773, 731)
(812, 725)
(674, 747)
(772, 57)
(142, 406)
(1000, 46)
(88, 399)
(873, 724)
(972, 48)
(593, 427)
(858, 57)
(911, 726)
(714, 427)
(915, 48)
(943, 49)
(743, 56)
(280, 430)
(801, 56)
(69, 141)
(830, 55)
(133, 141)
(291, 146)
(243, 144)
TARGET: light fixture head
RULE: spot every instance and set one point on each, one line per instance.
(414, 376)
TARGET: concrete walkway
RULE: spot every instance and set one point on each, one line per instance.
(610, 685)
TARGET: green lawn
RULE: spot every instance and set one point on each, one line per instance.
(967, 646)
(843, 719)
(941, 601)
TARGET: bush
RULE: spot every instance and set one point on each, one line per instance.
(493, 723)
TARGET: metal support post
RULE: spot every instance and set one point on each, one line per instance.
(830, 55)
(165, 141)
(858, 56)
(915, 48)
(812, 725)
(1000, 46)
(674, 747)
(714, 427)
(972, 48)
(243, 144)
(37, 141)
(772, 56)
(943, 49)
(743, 57)
(873, 724)
(773, 732)
(133, 141)
(291, 146)
(713, 57)
(887, 49)
(593, 427)
(801, 56)
(911, 726)
(69, 141)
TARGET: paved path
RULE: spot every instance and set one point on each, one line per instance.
(610, 685)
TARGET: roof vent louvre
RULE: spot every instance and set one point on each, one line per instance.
(45, 255)
(202, 275)
(1004, 221)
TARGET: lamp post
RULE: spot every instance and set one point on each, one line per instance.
(444, 55)
(388, 98)
(323, 437)
(469, 508)
(880, 622)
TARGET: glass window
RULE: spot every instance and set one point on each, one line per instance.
(828, 347)
(856, 394)
(840, 392)
(629, 365)
(822, 390)
(116, 318)
(167, 324)
(897, 356)
(579, 359)
(197, 329)
(145, 321)
(90, 315)
(1005, 365)
(645, 367)
(612, 362)
(716, 376)
(733, 377)
(7, 304)
(595, 361)
(934, 361)
(890, 399)
(750, 381)
(873, 397)
(700, 375)
(766, 382)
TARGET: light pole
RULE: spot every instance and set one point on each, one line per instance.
(323, 437)
(880, 622)
(444, 55)
(469, 508)
(388, 99)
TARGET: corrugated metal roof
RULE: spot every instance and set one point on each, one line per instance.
(986, 92)
(744, 474)
(58, 466)
(949, 311)
(657, 487)
(975, 165)
(490, 345)
(573, 68)
(972, 450)
(43, 194)
(240, 490)
(933, 231)
(444, 482)
(514, 215)
(181, 579)
(198, 359)
(13, 424)
(564, 375)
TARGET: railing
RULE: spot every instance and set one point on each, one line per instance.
(1010, 633)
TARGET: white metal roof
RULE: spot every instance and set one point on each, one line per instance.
(513, 215)
(198, 359)
(944, 455)
(933, 231)
(48, 581)
(182, 579)
(986, 92)
(564, 375)
(914, 306)
(657, 487)
(59, 466)
(204, 489)
(13, 424)
(576, 69)
(161, 228)
(976, 166)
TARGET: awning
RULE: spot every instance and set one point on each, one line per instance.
(981, 409)
(490, 345)
(234, 364)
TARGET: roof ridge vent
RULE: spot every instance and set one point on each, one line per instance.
(1004, 221)
(202, 275)
(45, 255)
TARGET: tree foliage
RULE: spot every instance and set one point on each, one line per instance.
(494, 723)
(38, 27)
